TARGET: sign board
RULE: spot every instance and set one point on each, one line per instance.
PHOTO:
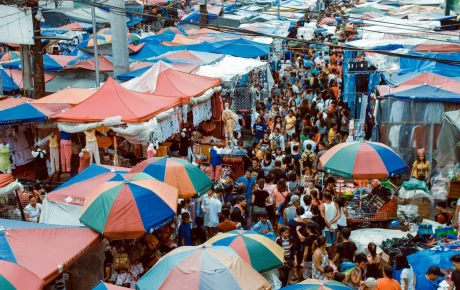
(16, 25)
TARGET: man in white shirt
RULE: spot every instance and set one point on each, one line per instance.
(309, 141)
(277, 140)
(211, 211)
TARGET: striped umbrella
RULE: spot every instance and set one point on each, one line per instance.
(258, 251)
(202, 267)
(133, 37)
(313, 284)
(15, 277)
(107, 286)
(11, 55)
(177, 172)
(362, 160)
(129, 205)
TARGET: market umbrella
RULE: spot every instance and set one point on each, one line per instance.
(313, 284)
(328, 20)
(11, 55)
(15, 277)
(202, 267)
(177, 172)
(127, 206)
(107, 286)
(362, 160)
(134, 37)
(365, 9)
(258, 251)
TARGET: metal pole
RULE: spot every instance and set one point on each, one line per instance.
(222, 8)
(96, 55)
(447, 4)
(279, 17)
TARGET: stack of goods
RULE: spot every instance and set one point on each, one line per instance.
(346, 190)
(408, 213)
(405, 246)
(446, 184)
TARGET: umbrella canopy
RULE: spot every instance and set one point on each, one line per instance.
(362, 10)
(127, 206)
(328, 20)
(107, 286)
(10, 56)
(313, 284)
(258, 251)
(202, 267)
(71, 96)
(13, 102)
(363, 160)
(59, 245)
(181, 174)
(15, 277)
(12, 79)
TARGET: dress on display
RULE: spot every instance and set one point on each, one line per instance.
(5, 163)
(40, 167)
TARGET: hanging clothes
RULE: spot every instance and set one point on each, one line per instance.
(40, 167)
(5, 163)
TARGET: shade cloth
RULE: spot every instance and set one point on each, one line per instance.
(114, 100)
(13, 102)
(72, 96)
(30, 113)
(15, 277)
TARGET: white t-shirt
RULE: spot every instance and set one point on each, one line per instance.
(215, 207)
(32, 212)
(311, 142)
(409, 274)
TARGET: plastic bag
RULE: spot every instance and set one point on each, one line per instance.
(414, 183)
(408, 213)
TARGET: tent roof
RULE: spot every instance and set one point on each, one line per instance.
(169, 82)
(187, 68)
(105, 65)
(434, 93)
(12, 79)
(13, 102)
(72, 96)
(189, 56)
(437, 47)
(30, 113)
(61, 83)
(64, 245)
(113, 100)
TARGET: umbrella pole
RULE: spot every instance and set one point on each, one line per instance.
(20, 206)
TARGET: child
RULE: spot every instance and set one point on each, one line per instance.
(356, 275)
(185, 231)
(264, 226)
(286, 242)
(340, 277)
(455, 278)
(328, 273)
(198, 233)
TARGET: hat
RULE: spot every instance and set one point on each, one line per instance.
(421, 152)
(294, 198)
(435, 271)
(307, 215)
(370, 283)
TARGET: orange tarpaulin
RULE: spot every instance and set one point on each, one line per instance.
(5, 179)
(72, 96)
(113, 100)
(13, 102)
(72, 26)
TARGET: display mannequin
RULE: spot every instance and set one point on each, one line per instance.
(215, 163)
(66, 151)
(151, 151)
(91, 145)
(40, 163)
(54, 152)
(421, 167)
(229, 123)
(5, 164)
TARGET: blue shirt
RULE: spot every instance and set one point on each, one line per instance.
(315, 71)
(64, 135)
(424, 284)
(307, 63)
(260, 129)
(215, 158)
(185, 233)
(248, 185)
(260, 226)
(268, 105)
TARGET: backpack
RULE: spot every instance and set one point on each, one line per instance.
(308, 162)
(121, 261)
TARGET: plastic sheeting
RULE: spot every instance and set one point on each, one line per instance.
(365, 236)
(423, 260)
(448, 138)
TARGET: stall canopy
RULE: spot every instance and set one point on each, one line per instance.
(425, 87)
(12, 79)
(113, 100)
(50, 62)
(63, 205)
(187, 68)
(13, 102)
(72, 26)
(447, 142)
(61, 83)
(30, 113)
(451, 47)
(59, 245)
(188, 56)
(71, 96)
(105, 65)
(170, 82)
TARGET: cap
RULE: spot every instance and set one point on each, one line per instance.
(307, 215)
(294, 198)
(370, 283)
(435, 270)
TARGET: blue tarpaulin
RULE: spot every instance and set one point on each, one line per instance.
(48, 62)
(8, 82)
(25, 113)
(408, 65)
(423, 260)
(426, 93)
